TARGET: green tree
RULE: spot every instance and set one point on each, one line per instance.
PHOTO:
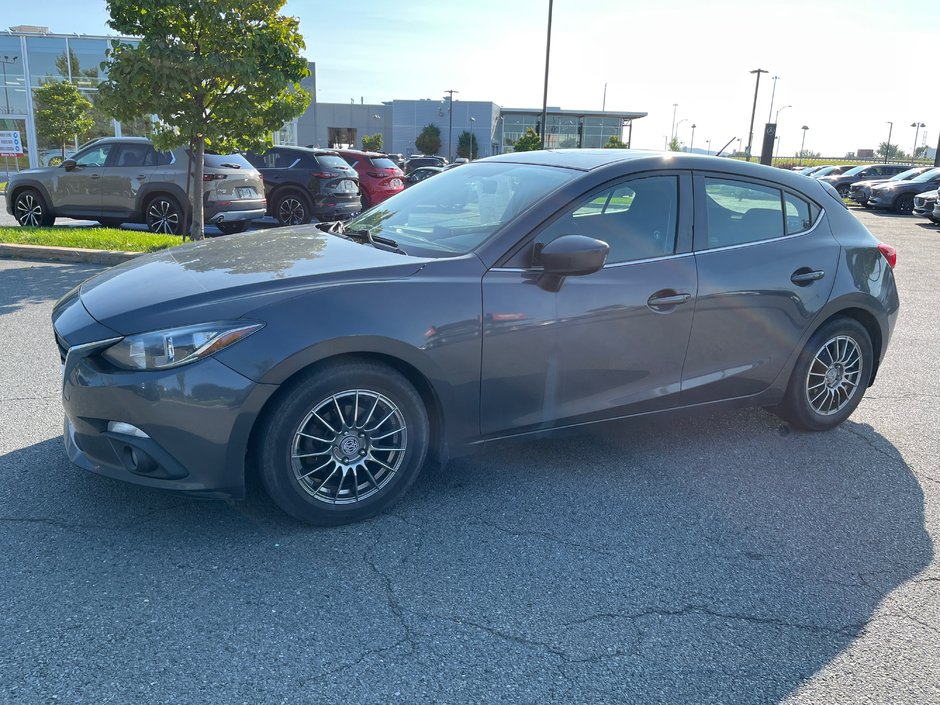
(808, 154)
(429, 141)
(62, 113)
(467, 145)
(372, 143)
(674, 145)
(891, 152)
(529, 142)
(223, 74)
(615, 143)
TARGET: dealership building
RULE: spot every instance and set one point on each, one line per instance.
(31, 56)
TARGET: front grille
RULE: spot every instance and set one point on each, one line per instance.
(63, 347)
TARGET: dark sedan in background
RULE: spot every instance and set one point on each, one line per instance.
(842, 182)
(899, 195)
(861, 190)
(516, 295)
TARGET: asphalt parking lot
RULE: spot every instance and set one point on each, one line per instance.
(720, 558)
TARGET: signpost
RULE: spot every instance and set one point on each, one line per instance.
(10, 143)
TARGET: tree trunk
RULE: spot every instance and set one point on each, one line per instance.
(198, 227)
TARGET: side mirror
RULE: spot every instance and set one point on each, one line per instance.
(69, 164)
(572, 255)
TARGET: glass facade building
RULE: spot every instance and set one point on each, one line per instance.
(567, 129)
(30, 59)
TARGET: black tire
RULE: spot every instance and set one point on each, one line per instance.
(904, 204)
(292, 208)
(30, 209)
(807, 401)
(293, 440)
(237, 226)
(164, 216)
(843, 190)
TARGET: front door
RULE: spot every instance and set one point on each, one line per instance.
(78, 190)
(605, 344)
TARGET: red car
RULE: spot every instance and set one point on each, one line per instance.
(379, 177)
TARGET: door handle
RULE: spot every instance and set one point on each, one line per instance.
(806, 276)
(667, 298)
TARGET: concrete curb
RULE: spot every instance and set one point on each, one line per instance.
(66, 254)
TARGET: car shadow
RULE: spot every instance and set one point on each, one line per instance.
(39, 282)
(721, 558)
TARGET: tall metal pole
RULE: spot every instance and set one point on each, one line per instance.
(548, 53)
(604, 104)
(750, 134)
(672, 130)
(888, 144)
(692, 141)
(772, 94)
(803, 143)
(916, 126)
(936, 156)
(450, 121)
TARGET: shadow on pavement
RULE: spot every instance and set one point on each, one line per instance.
(39, 282)
(719, 559)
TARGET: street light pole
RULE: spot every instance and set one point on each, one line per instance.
(450, 122)
(777, 117)
(772, 94)
(672, 130)
(888, 144)
(692, 140)
(750, 134)
(708, 144)
(916, 126)
(470, 146)
(548, 52)
(803, 143)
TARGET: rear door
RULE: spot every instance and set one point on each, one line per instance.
(123, 176)
(766, 263)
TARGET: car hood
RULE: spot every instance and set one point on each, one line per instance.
(897, 185)
(225, 278)
(868, 183)
(26, 173)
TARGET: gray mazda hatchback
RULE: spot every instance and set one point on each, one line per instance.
(517, 295)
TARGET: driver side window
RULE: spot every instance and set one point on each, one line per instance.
(95, 156)
(636, 218)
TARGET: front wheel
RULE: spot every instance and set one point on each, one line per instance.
(344, 443)
(830, 376)
(843, 191)
(31, 211)
(904, 204)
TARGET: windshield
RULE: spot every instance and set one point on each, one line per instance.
(905, 175)
(825, 171)
(855, 170)
(456, 211)
(332, 160)
(383, 163)
(927, 176)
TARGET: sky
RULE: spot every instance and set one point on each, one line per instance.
(845, 68)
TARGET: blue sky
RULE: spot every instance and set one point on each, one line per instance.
(845, 67)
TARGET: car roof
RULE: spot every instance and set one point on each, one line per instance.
(360, 153)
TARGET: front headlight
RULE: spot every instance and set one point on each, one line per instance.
(173, 347)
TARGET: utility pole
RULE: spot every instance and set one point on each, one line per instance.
(772, 94)
(450, 121)
(888, 145)
(548, 52)
(750, 134)
(672, 130)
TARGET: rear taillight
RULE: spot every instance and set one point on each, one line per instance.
(213, 177)
(376, 174)
(890, 254)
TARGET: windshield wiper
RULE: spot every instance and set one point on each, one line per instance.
(363, 236)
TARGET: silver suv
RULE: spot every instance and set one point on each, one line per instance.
(118, 180)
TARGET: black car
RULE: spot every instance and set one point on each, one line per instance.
(417, 162)
(842, 182)
(302, 183)
(861, 190)
(422, 173)
(899, 195)
(517, 295)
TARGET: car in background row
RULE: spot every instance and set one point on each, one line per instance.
(303, 183)
(831, 170)
(899, 195)
(842, 182)
(379, 178)
(925, 205)
(417, 161)
(421, 174)
(117, 180)
(399, 159)
(861, 190)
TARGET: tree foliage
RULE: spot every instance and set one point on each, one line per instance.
(674, 145)
(891, 152)
(62, 112)
(529, 142)
(429, 141)
(222, 74)
(615, 143)
(467, 145)
(372, 143)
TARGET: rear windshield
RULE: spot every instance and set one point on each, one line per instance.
(383, 163)
(332, 160)
(226, 161)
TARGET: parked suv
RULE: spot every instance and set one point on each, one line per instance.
(842, 182)
(303, 183)
(118, 180)
(416, 162)
(925, 205)
(861, 190)
(379, 178)
(899, 195)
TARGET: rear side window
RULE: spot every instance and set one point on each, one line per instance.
(155, 158)
(740, 212)
(130, 154)
(226, 161)
(383, 163)
(800, 214)
(331, 161)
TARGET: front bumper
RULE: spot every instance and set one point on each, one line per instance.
(184, 429)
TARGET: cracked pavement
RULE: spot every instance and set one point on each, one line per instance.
(719, 558)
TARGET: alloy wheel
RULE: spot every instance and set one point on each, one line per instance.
(29, 210)
(349, 446)
(163, 217)
(834, 375)
(291, 211)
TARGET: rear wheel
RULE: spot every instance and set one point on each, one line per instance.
(235, 227)
(830, 376)
(30, 209)
(292, 209)
(344, 443)
(904, 204)
(164, 216)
